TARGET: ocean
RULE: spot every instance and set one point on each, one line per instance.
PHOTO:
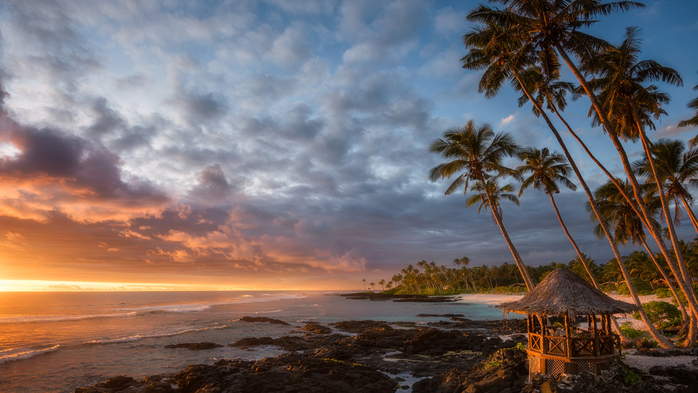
(58, 341)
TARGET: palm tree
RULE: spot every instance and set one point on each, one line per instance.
(630, 106)
(497, 47)
(546, 171)
(677, 169)
(476, 154)
(628, 226)
(693, 104)
(553, 28)
(495, 192)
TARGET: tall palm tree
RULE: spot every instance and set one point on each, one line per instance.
(630, 106)
(553, 28)
(693, 104)
(476, 154)
(503, 55)
(678, 170)
(547, 170)
(496, 193)
(628, 226)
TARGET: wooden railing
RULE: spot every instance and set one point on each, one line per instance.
(575, 346)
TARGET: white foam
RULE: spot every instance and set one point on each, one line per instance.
(137, 337)
(267, 312)
(195, 307)
(26, 354)
(61, 318)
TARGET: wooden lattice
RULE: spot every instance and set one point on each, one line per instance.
(554, 367)
(556, 346)
(536, 342)
(586, 367)
(607, 345)
(583, 347)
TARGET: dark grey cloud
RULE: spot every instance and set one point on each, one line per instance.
(212, 187)
(74, 162)
(106, 120)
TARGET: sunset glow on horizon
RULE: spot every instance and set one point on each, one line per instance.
(268, 145)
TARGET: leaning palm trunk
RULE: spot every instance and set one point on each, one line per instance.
(690, 213)
(514, 252)
(684, 314)
(693, 329)
(650, 327)
(665, 210)
(693, 320)
(676, 268)
(574, 244)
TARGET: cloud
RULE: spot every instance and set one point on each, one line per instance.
(53, 171)
(507, 120)
(291, 47)
(390, 36)
(213, 186)
(14, 241)
(448, 22)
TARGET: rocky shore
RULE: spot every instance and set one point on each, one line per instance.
(373, 356)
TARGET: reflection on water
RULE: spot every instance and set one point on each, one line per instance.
(55, 342)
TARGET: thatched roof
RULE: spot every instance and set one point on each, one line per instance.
(564, 292)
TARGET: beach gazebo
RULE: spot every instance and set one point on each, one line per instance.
(555, 349)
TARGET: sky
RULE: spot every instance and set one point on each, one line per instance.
(277, 144)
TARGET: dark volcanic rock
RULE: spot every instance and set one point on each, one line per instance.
(358, 326)
(316, 328)
(153, 384)
(195, 346)
(289, 343)
(379, 296)
(504, 371)
(264, 319)
(292, 373)
(439, 315)
(430, 299)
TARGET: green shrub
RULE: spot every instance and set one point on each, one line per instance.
(663, 292)
(683, 298)
(630, 378)
(628, 330)
(606, 288)
(642, 287)
(664, 315)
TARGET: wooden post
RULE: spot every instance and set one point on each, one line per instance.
(543, 333)
(593, 317)
(568, 338)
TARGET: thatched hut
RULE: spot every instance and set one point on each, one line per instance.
(567, 349)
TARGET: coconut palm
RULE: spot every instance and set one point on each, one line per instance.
(693, 104)
(476, 154)
(627, 226)
(504, 56)
(678, 170)
(496, 193)
(630, 106)
(547, 170)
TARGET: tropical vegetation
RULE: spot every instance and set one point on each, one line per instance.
(527, 43)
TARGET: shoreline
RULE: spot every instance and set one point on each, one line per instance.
(377, 356)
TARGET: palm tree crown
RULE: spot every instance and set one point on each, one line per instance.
(546, 169)
(676, 167)
(627, 103)
(476, 153)
(497, 193)
(693, 104)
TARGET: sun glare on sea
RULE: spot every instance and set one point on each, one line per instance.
(78, 286)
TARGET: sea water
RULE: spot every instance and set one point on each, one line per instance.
(59, 341)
